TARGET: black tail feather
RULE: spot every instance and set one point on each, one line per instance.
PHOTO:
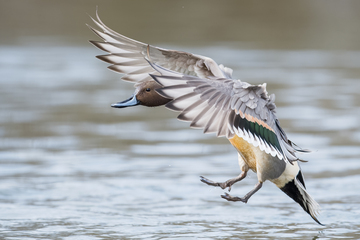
(296, 190)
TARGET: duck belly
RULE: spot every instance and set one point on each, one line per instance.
(266, 166)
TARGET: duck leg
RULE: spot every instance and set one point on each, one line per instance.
(246, 197)
(226, 184)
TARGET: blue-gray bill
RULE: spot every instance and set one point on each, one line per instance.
(132, 101)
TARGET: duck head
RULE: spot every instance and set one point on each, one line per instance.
(145, 95)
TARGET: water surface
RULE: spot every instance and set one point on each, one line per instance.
(72, 167)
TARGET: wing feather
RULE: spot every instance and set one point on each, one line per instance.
(179, 104)
(203, 91)
(124, 51)
(227, 108)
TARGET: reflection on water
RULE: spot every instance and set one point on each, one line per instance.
(74, 168)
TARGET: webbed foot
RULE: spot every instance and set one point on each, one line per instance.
(233, 199)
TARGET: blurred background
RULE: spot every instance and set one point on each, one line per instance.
(72, 167)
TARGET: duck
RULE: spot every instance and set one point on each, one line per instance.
(206, 95)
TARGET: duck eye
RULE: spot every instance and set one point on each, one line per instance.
(148, 89)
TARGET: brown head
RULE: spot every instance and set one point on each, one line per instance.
(145, 95)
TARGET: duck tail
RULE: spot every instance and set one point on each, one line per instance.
(296, 190)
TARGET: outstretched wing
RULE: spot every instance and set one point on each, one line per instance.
(128, 56)
(227, 107)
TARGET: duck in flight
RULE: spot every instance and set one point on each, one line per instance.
(207, 95)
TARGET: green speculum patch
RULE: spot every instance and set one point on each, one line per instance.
(258, 130)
